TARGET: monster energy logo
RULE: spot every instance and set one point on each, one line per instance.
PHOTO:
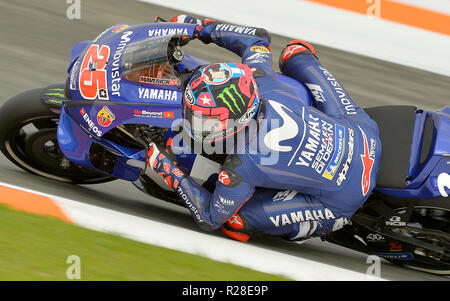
(55, 95)
(56, 92)
(226, 93)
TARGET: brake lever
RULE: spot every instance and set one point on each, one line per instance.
(181, 40)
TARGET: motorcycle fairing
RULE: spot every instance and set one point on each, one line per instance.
(429, 156)
(76, 144)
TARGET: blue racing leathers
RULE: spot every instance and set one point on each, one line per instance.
(311, 167)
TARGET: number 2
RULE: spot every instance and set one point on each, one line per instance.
(93, 81)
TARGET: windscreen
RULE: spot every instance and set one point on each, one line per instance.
(146, 62)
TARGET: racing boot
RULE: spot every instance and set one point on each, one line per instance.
(237, 227)
(162, 163)
(294, 48)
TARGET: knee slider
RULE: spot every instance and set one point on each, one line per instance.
(294, 48)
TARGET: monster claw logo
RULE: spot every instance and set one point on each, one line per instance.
(367, 162)
(228, 96)
(105, 117)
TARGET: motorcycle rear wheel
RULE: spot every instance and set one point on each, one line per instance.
(431, 225)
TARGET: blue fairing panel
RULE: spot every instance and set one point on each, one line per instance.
(75, 144)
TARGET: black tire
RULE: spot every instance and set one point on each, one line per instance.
(25, 109)
(431, 265)
(439, 232)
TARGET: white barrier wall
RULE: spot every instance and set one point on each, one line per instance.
(337, 28)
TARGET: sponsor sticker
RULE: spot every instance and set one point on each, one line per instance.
(256, 58)
(301, 216)
(115, 66)
(400, 256)
(190, 205)
(291, 50)
(118, 28)
(158, 94)
(260, 49)
(375, 237)
(152, 114)
(235, 28)
(230, 97)
(236, 222)
(225, 201)
(367, 159)
(167, 32)
(283, 196)
(158, 81)
(340, 92)
(346, 166)
(395, 221)
(395, 247)
(105, 117)
(319, 144)
(90, 123)
(188, 96)
(73, 76)
(317, 92)
(333, 165)
(249, 114)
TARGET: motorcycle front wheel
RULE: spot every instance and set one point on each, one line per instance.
(28, 139)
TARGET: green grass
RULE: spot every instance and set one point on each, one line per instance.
(36, 247)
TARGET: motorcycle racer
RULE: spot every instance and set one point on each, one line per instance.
(327, 155)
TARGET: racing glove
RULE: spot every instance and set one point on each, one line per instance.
(191, 194)
(237, 228)
(162, 162)
(200, 25)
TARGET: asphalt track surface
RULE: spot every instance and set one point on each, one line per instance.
(35, 42)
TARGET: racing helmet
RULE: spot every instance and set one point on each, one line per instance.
(219, 100)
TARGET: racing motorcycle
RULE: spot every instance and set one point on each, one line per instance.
(123, 91)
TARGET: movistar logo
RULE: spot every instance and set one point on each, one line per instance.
(228, 97)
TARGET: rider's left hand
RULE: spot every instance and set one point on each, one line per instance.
(189, 20)
(198, 29)
(186, 19)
